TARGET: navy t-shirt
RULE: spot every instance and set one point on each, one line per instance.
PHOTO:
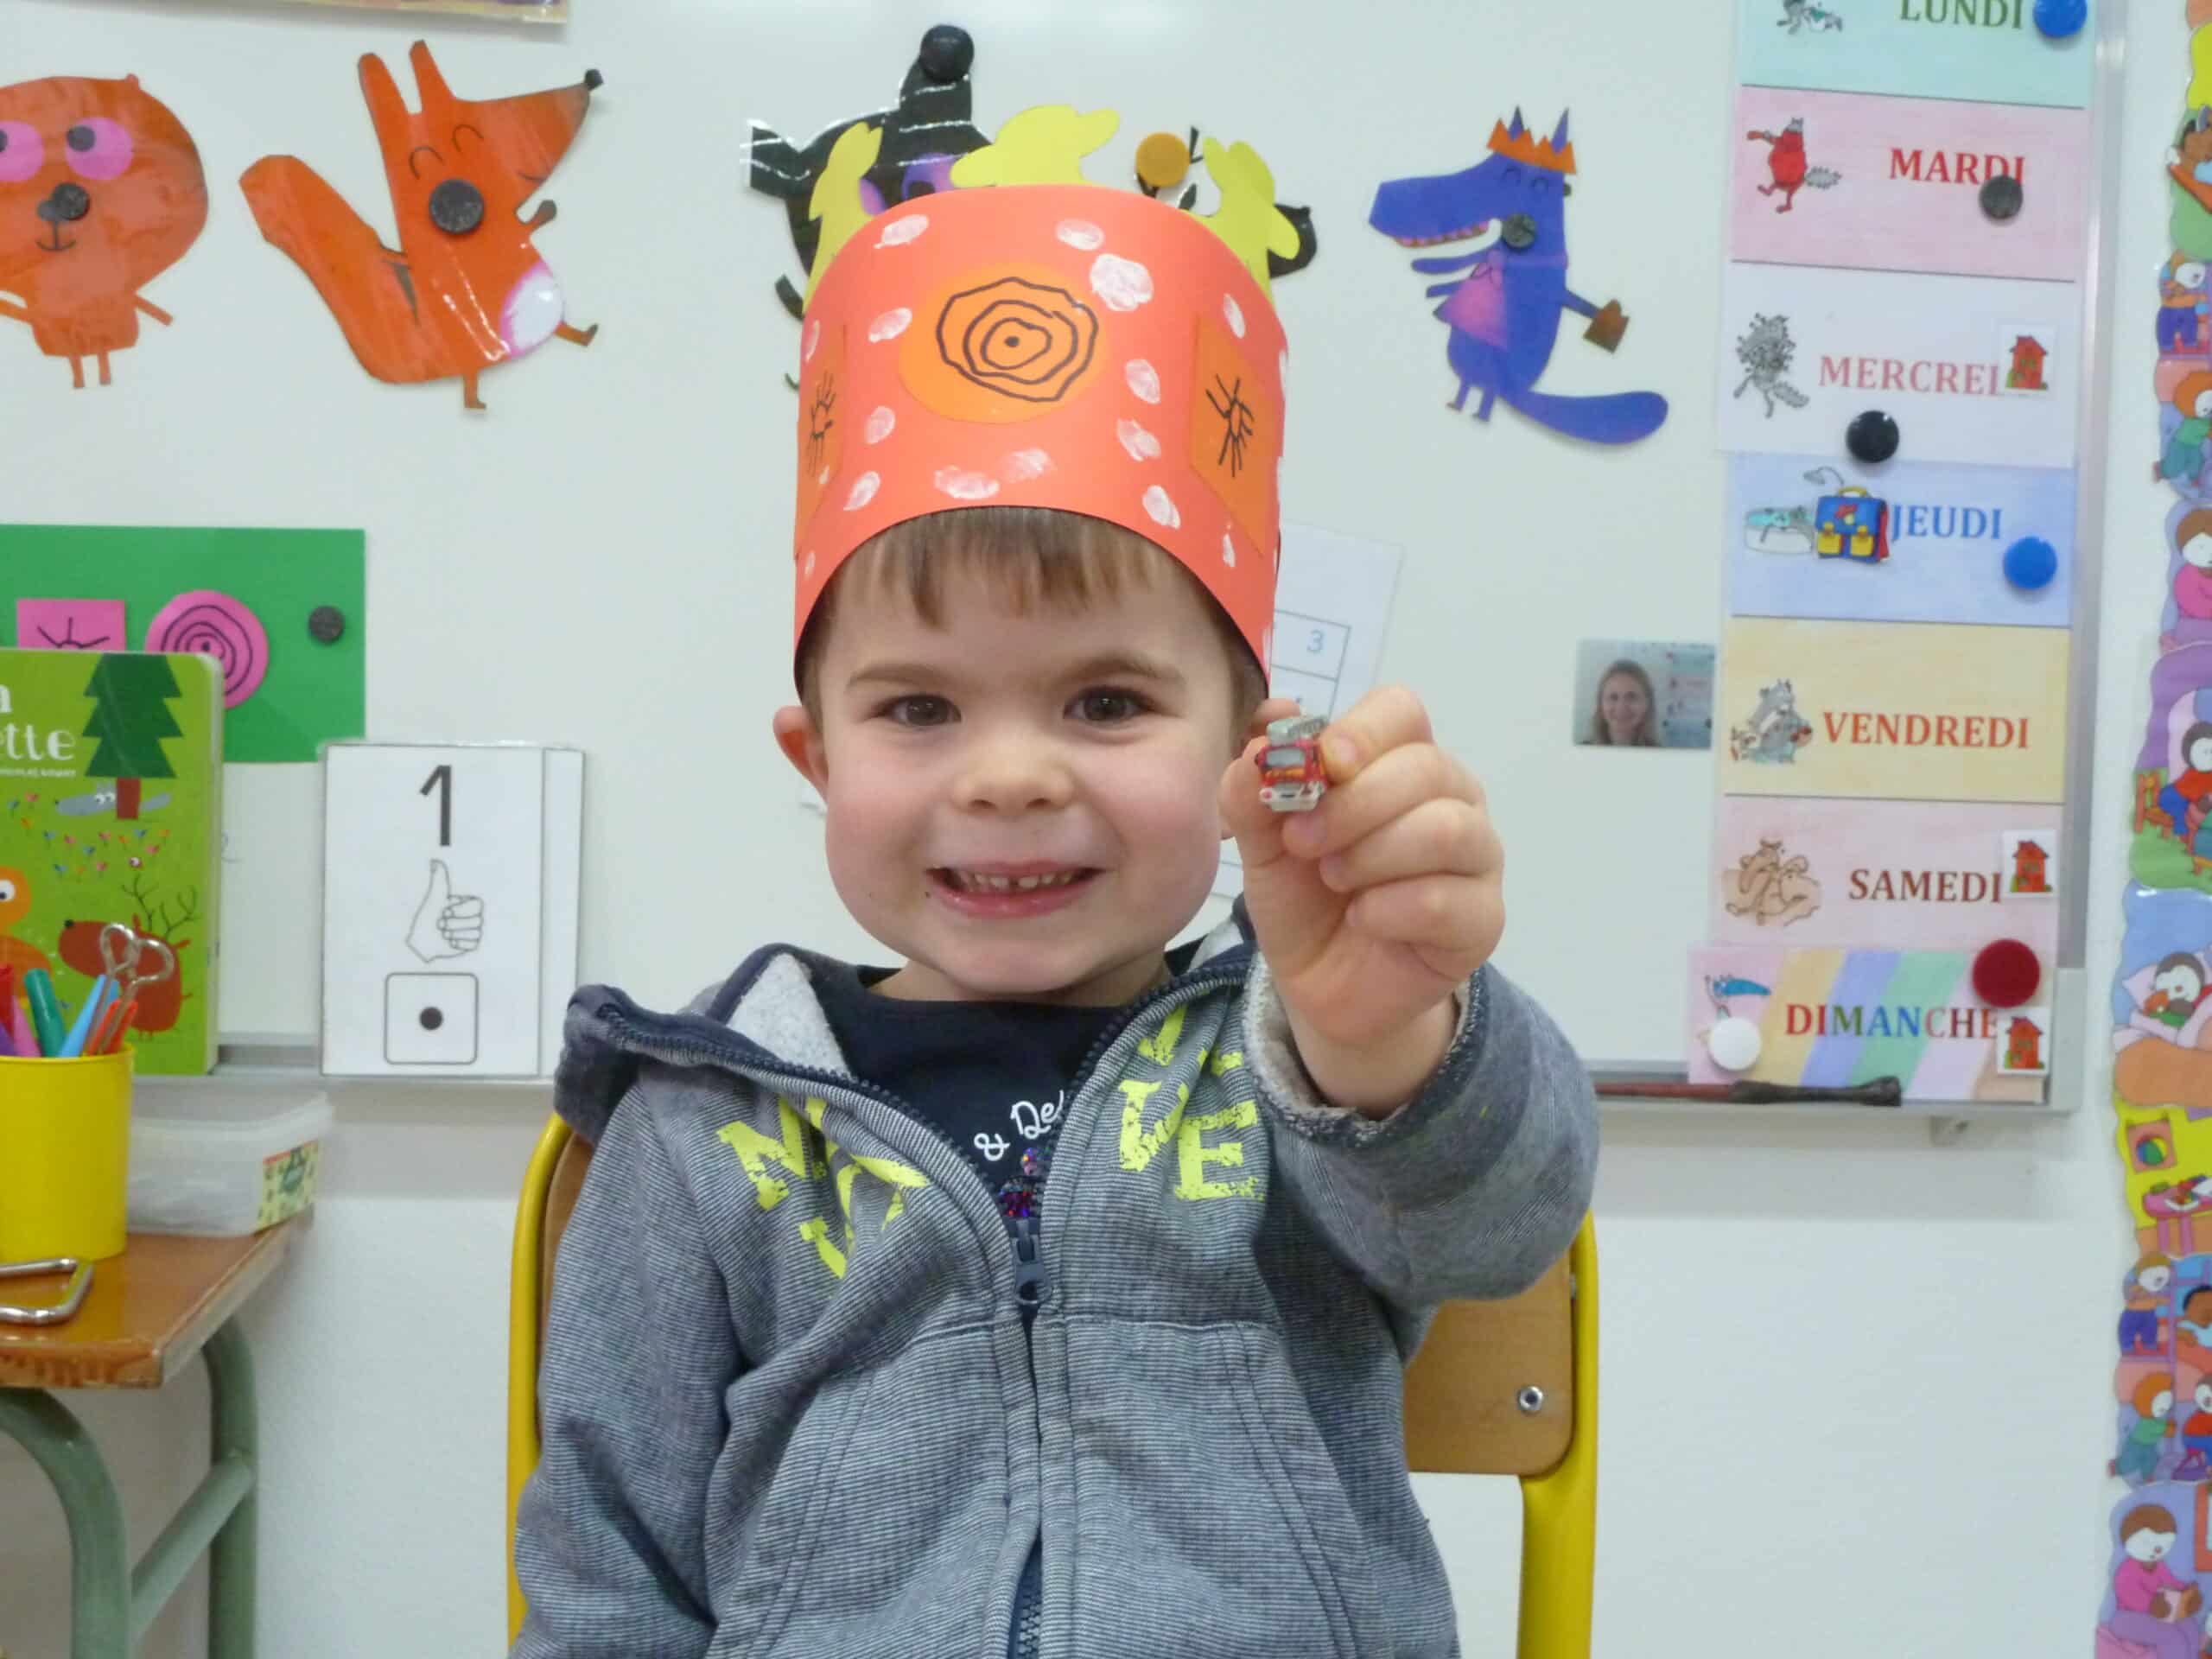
(992, 1077)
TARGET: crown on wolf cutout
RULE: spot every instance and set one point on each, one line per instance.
(1554, 155)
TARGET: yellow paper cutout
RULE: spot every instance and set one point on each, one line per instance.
(1248, 219)
(1045, 145)
(836, 199)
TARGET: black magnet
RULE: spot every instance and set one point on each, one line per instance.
(1871, 437)
(947, 51)
(594, 81)
(1519, 232)
(2001, 196)
(327, 624)
(456, 206)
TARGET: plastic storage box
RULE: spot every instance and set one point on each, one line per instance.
(215, 1163)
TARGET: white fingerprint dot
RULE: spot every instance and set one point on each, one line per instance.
(1144, 379)
(963, 486)
(1141, 444)
(1120, 284)
(863, 492)
(900, 231)
(879, 423)
(1025, 464)
(1080, 234)
(1156, 503)
(891, 324)
(1235, 313)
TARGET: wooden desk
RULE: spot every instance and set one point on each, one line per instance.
(148, 1311)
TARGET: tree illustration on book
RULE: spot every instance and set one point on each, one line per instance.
(130, 717)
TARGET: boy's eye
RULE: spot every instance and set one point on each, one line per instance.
(919, 711)
(1108, 708)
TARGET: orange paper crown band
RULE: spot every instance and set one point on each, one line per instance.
(1044, 345)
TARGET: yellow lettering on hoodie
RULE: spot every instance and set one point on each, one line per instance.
(816, 1232)
(756, 1151)
(1160, 1047)
(1195, 1154)
(1139, 1148)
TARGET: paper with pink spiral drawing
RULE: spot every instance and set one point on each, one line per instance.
(209, 624)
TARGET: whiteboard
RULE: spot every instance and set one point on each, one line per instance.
(602, 560)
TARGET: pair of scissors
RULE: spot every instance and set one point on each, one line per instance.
(133, 961)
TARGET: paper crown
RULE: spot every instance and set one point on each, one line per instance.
(1554, 155)
(1072, 347)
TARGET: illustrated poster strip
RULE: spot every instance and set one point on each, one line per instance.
(1896, 184)
(1972, 369)
(1935, 540)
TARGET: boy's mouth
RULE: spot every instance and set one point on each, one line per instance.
(1007, 894)
(988, 882)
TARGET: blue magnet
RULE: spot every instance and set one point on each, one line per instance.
(2062, 18)
(2031, 563)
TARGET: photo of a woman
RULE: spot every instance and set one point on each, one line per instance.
(1625, 716)
(1642, 694)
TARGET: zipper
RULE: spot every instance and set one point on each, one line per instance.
(1024, 1628)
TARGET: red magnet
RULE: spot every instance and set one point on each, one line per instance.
(2006, 973)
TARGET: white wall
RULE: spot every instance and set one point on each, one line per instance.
(1856, 1388)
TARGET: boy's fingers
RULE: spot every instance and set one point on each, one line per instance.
(1257, 827)
(1444, 913)
(1387, 788)
(1441, 837)
(1273, 709)
(1387, 717)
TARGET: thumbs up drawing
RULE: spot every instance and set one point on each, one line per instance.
(445, 924)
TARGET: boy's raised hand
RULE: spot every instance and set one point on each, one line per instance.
(1374, 907)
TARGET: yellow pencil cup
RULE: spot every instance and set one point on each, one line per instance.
(65, 1156)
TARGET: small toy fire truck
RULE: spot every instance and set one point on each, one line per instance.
(1291, 776)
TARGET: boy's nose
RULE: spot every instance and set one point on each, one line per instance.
(1012, 775)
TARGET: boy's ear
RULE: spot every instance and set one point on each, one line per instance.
(800, 739)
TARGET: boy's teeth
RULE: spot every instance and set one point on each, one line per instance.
(973, 881)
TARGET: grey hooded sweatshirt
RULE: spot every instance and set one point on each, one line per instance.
(804, 1397)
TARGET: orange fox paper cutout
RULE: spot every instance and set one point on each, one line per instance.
(466, 289)
(100, 191)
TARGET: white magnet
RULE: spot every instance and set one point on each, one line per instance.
(1733, 1044)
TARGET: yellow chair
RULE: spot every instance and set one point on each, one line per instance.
(1498, 1388)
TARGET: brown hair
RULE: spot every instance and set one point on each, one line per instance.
(2192, 387)
(1647, 734)
(2148, 1391)
(2203, 728)
(1030, 558)
(2195, 521)
(2188, 959)
(2146, 1518)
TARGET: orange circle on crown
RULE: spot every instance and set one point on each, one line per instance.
(1003, 343)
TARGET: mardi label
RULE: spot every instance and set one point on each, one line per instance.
(1895, 184)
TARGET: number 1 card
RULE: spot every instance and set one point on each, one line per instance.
(449, 906)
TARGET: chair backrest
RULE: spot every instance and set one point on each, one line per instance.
(1506, 1387)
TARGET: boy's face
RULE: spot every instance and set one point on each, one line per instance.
(1021, 806)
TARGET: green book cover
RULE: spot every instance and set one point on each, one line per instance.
(112, 781)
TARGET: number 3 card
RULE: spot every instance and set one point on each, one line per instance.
(449, 907)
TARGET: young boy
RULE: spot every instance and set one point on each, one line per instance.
(1049, 1294)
